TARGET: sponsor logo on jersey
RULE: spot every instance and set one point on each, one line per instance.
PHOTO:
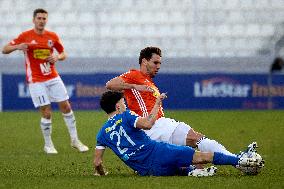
(108, 129)
(41, 53)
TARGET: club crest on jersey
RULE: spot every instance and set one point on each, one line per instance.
(50, 43)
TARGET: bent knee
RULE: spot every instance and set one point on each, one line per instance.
(193, 137)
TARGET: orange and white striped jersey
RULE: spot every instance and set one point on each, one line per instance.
(141, 102)
(40, 46)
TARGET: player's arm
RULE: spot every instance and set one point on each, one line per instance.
(56, 57)
(60, 49)
(98, 162)
(7, 49)
(148, 122)
(118, 84)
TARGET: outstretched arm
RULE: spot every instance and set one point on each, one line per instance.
(148, 122)
(7, 49)
(98, 162)
(118, 84)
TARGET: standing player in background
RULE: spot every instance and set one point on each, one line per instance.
(44, 82)
(141, 92)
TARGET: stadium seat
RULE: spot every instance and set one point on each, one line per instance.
(215, 23)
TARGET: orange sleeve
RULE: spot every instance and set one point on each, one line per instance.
(128, 77)
(58, 44)
(18, 40)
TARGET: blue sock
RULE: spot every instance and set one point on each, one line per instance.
(222, 159)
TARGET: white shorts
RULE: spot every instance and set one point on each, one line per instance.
(43, 93)
(169, 131)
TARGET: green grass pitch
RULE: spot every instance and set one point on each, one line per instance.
(23, 163)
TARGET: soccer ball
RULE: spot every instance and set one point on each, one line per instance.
(253, 170)
(250, 170)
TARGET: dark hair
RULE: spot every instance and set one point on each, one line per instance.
(277, 65)
(39, 11)
(109, 100)
(148, 52)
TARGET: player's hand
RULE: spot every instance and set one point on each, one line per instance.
(22, 47)
(52, 59)
(161, 98)
(143, 88)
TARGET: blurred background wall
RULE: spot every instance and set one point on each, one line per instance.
(196, 36)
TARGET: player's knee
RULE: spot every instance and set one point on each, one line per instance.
(65, 107)
(192, 138)
(197, 158)
(45, 112)
(202, 157)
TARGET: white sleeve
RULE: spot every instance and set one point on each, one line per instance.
(100, 147)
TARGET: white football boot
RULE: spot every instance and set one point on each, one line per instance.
(205, 172)
(250, 149)
(79, 146)
(247, 161)
(253, 159)
(49, 149)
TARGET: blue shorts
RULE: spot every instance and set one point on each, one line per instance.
(168, 159)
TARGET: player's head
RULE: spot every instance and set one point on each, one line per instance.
(112, 101)
(150, 60)
(40, 19)
(278, 61)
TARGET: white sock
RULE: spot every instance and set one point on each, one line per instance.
(70, 122)
(208, 145)
(46, 128)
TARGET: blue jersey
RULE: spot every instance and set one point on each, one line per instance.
(130, 144)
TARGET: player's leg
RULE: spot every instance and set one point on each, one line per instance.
(185, 135)
(162, 130)
(69, 118)
(215, 158)
(58, 93)
(70, 122)
(173, 132)
(205, 144)
(46, 128)
(175, 158)
(218, 158)
(40, 99)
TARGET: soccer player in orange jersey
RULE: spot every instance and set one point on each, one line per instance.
(44, 83)
(141, 92)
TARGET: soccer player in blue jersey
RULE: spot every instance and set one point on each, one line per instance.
(124, 135)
